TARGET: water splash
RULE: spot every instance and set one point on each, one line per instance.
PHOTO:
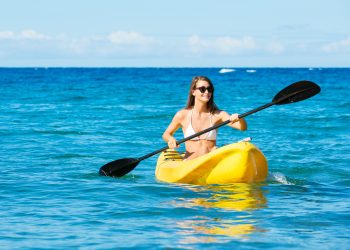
(278, 177)
(224, 70)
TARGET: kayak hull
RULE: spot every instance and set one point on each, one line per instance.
(240, 162)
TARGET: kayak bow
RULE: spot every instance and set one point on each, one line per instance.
(240, 162)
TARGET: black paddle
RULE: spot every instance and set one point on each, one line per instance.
(295, 92)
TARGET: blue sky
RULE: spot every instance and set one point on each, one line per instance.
(182, 33)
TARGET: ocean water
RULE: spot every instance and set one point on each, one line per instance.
(58, 126)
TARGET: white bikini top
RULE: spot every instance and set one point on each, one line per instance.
(210, 136)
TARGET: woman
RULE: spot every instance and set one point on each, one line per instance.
(200, 113)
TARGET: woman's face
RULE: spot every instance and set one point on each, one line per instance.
(203, 91)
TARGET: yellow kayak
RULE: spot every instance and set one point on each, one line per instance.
(240, 162)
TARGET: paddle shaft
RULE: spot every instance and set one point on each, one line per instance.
(207, 130)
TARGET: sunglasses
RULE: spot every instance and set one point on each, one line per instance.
(203, 89)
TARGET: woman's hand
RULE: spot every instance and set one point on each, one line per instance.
(238, 123)
(172, 143)
(234, 118)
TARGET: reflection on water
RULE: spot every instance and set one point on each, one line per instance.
(204, 229)
(241, 200)
(239, 197)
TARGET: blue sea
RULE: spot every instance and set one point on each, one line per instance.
(58, 126)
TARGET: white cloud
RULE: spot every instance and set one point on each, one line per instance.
(129, 38)
(197, 44)
(116, 44)
(125, 43)
(23, 35)
(338, 46)
(130, 45)
(275, 48)
(76, 46)
(229, 45)
(221, 45)
(32, 35)
(7, 35)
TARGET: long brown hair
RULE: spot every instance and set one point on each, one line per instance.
(190, 100)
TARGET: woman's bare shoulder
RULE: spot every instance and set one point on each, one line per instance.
(181, 114)
(219, 113)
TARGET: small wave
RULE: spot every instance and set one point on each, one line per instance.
(67, 156)
(58, 132)
(33, 107)
(250, 70)
(280, 178)
(130, 107)
(77, 98)
(311, 69)
(223, 71)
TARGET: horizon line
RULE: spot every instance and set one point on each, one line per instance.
(184, 67)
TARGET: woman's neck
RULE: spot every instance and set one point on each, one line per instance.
(200, 107)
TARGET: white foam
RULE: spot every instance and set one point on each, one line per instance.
(223, 71)
(279, 177)
(250, 70)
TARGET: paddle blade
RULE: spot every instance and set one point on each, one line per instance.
(296, 92)
(119, 168)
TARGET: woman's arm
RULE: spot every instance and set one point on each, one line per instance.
(236, 123)
(173, 126)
